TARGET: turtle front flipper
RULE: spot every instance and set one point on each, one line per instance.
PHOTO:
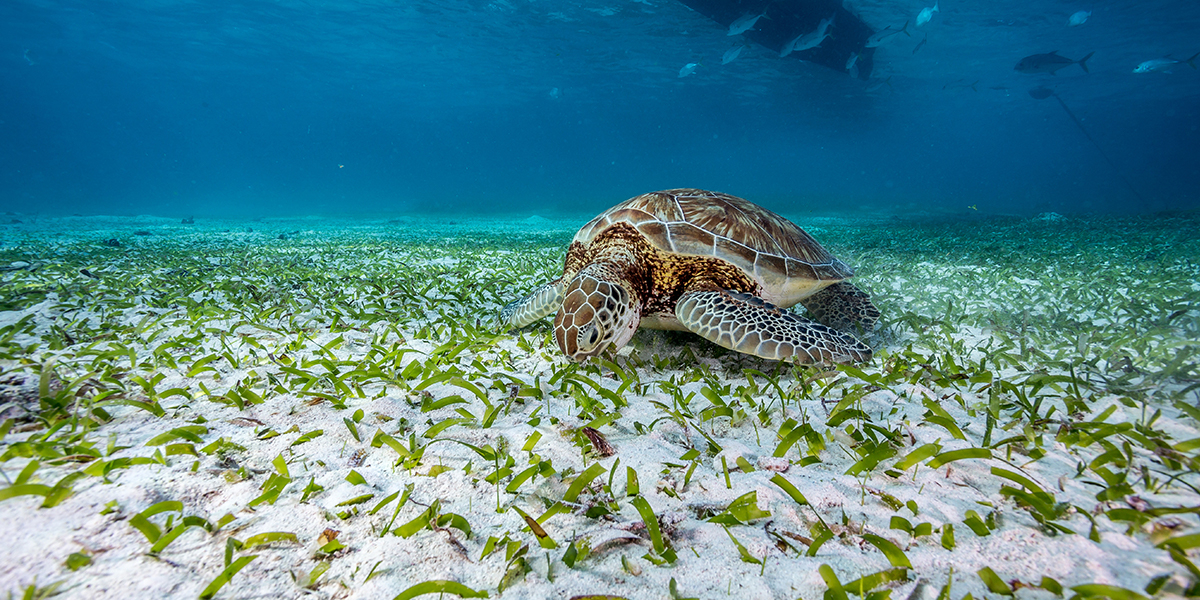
(749, 324)
(842, 306)
(542, 302)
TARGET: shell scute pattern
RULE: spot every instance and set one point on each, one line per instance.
(705, 223)
(737, 253)
(769, 264)
(753, 226)
(805, 270)
(655, 232)
(689, 239)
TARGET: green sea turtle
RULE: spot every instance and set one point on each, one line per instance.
(706, 262)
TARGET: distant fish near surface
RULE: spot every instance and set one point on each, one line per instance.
(879, 84)
(885, 33)
(789, 46)
(1041, 93)
(732, 54)
(1079, 18)
(926, 14)
(1164, 65)
(960, 85)
(688, 69)
(808, 41)
(745, 22)
(1050, 63)
(921, 44)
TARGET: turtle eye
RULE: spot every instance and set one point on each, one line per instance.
(589, 336)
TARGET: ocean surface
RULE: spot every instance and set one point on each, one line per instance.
(285, 108)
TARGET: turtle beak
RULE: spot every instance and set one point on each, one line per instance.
(594, 315)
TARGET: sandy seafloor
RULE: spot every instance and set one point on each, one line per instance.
(1091, 325)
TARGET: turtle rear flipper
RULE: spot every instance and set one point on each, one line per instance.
(542, 302)
(842, 306)
(749, 324)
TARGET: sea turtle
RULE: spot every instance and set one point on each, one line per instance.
(706, 262)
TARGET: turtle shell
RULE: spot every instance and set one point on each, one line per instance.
(782, 257)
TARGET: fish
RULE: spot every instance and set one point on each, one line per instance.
(1050, 63)
(926, 14)
(688, 69)
(1041, 93)
(921, 44)
(789, 45)
(877, 85)
(885, 33)
(1079, 18)
(1164, 65)
(732, 53)
(808, 41)
(959, 85)
(745, 22)
(852, 65)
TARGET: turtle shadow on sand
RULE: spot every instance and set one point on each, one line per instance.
(705, 262)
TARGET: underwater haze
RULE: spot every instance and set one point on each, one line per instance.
(293, 107)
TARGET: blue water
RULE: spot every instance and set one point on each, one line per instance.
(290, 107)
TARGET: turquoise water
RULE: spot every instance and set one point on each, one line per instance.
(254, 109)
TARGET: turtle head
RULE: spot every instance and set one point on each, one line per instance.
(597, 312)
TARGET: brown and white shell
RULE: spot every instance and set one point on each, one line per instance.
(784, 259)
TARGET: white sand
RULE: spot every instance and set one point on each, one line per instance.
(38, 541)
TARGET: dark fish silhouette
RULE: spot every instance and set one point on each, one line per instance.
(921, 44)
(1050, 63)
(1041, 93)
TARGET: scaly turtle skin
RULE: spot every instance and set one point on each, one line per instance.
(706, 262)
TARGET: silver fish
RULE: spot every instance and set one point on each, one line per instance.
(745, 22)
(874, 87)
(886, 33)
(1079, 18)
(688, 69)
(926, 14)
(1164, 65)
(732, 54)
(808, 41)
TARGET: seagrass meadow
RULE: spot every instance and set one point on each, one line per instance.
(326, 408)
